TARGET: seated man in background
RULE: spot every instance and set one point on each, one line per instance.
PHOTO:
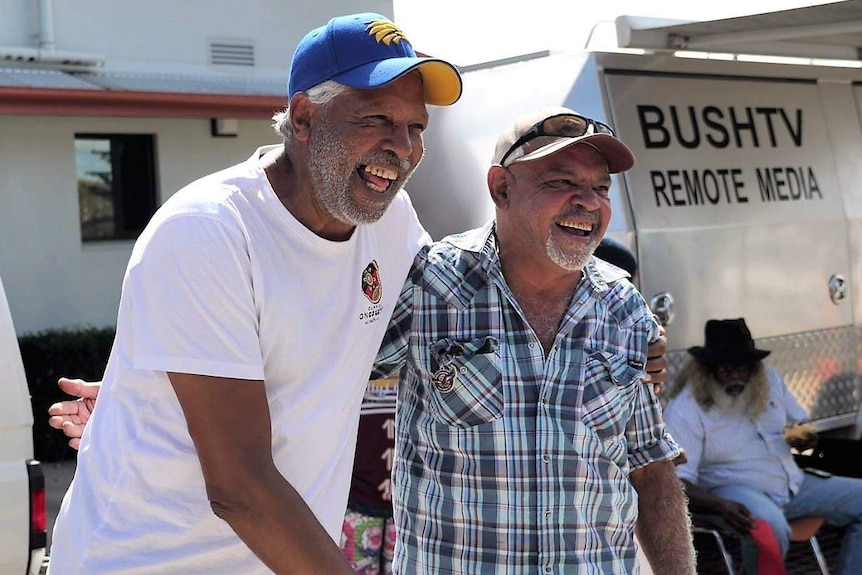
(732, 413)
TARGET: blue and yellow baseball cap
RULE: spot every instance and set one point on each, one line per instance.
(368, 51)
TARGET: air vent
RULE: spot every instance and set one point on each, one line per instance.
(231, 53)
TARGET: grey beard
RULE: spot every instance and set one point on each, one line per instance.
(570, 261)
(331, 167)
(731, 403)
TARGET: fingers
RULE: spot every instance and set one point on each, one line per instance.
(656, 373)
(56, 421)
(63, 408)
(736, 514)
(76, 407)
(79, 387)
(656, 366)
(71, 416)
(69, 428)
(72, 429)
(741, 524)
(657, 347)
(71, 386)
(744, 518)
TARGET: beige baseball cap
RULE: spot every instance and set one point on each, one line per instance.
(548, 130)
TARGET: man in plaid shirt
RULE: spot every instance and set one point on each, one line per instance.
(525, 442)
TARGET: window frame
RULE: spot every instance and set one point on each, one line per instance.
(144, 187)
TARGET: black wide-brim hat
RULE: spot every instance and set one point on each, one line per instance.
(728, 342)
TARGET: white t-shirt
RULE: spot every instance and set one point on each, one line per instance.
(224, 281)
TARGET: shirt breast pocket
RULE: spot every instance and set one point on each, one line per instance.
(466, 382)
(608, 383)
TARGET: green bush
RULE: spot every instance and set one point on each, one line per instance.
(47, 356)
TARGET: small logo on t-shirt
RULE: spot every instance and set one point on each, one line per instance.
(371, 286)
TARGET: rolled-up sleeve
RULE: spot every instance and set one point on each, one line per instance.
(646, 433)
(646, 436)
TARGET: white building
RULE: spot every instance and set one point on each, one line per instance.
(106, 109)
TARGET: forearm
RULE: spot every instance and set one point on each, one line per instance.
(230, 425)
(664, 527)
(277, 525)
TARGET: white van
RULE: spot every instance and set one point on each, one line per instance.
(22, 483)
(746, 199)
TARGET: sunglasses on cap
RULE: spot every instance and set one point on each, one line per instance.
(559, 126)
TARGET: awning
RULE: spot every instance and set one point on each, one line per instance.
(44, 92)
(828, 31)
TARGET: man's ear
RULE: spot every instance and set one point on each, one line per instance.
(302, 112)
(499, 180)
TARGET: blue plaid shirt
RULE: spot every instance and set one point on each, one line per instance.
(507, 460)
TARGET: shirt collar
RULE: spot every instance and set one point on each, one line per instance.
(600, 273)
(480, 241)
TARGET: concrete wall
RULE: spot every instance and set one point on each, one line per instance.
(168, 35)
(51, 278)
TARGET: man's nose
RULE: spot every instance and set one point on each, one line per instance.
(587, 198)
(399, 141)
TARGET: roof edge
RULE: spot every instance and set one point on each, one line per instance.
(66, 102)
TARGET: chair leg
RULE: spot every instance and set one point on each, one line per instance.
(728, 561)
(821, 560)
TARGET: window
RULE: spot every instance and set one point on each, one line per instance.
(116, 185)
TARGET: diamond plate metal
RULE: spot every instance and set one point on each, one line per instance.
(821, 368)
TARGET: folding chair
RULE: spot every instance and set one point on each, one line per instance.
(703, 527)
(802, 529)
(805, 529)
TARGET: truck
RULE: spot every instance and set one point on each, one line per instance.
(23, 518)
(746, 197)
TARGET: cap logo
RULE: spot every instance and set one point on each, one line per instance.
(385, 31)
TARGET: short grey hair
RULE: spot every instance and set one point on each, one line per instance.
(318, 94)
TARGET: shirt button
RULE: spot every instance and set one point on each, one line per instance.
(548, 514)
(463, 369)
(547, 569)
(546, 458)
(532, 345)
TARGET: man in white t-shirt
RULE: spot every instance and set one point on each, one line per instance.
(227, 423)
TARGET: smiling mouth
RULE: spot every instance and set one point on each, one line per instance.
(377, 178)
(581, 229)
(734, 389)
